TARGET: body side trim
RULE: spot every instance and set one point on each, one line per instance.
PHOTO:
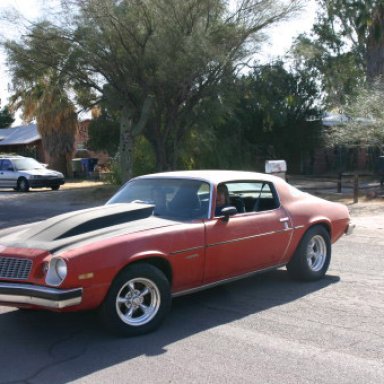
(186, 250)
(249, 237)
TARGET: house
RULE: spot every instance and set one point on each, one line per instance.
(26, 140)
(23, 140)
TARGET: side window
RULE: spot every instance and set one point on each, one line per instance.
(253, 196)
(6, 165)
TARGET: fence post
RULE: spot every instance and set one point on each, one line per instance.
(339, 183)
(356, 188)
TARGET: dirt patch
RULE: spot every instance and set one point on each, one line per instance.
(88, 191)
(366, 206)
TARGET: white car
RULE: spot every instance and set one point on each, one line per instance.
(22, 173)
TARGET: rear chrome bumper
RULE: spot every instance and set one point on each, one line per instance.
(349, 230)
(25, 294)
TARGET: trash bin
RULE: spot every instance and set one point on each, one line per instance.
(277, 168)
(77, 168)
(88, 166)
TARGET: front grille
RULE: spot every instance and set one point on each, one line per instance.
(12, 268)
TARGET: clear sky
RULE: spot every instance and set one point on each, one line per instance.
(280, 36)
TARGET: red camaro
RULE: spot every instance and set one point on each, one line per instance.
(165, 235)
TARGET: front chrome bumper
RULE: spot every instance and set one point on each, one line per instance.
(41, 183)
(26, 294)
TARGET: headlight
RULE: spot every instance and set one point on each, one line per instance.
(61, 268)
(57, 271)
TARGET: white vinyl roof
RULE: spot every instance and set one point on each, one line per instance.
(214, 176)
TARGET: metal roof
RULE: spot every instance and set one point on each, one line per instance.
(23, 134)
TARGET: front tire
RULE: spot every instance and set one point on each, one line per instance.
(137, 301)
(22, 185)
(313, 255)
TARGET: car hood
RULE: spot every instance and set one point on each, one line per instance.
(80, 227)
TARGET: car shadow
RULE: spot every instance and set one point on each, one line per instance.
(37, 345)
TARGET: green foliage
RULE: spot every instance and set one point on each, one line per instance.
(151, 62)
(114, 176)
(263, 115)
(6, 117)
(366, 120)
(344, 48)
(144, 157)
(104, 134)
(345, 52)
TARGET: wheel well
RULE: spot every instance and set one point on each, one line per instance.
(323, 224)
(159, 263)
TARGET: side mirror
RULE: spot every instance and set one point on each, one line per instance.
(228, 211)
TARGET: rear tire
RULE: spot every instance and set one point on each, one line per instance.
(55, 187)
(137, 302)
(313, 255)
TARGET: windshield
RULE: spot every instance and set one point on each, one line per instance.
(27, 163)
(173, 198)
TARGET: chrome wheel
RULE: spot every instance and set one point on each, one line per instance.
(316, 253)
(138, 302)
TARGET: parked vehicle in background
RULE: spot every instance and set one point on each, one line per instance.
(162, 235)
(22, 173)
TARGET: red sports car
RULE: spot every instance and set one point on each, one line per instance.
(166, 235)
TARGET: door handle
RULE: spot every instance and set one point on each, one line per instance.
(284, 219)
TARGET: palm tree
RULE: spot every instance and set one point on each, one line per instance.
(42, 85)
(47, 101)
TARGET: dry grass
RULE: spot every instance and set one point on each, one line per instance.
(88, 190)
(366, 206)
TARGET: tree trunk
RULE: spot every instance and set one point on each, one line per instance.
(126, 145)
(375, 46)
(56, 161)
(161, 155)
(59, 163)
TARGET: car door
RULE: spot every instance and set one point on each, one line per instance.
(249, 241)
(1, 174)
(7, 174)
